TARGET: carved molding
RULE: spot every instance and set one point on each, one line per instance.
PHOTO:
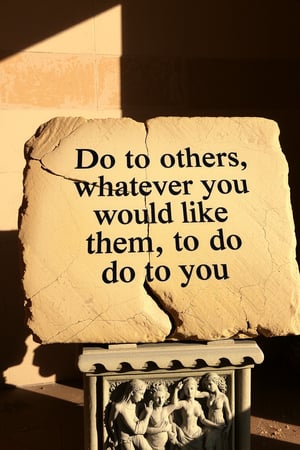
(164, 356)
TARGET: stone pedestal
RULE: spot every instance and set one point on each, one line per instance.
(150, 396)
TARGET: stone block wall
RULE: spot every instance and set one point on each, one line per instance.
(60, 60)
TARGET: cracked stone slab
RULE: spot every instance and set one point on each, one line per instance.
(179, 228)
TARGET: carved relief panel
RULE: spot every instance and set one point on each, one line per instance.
(186, 410)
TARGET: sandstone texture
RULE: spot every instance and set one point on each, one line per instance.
(179, 228)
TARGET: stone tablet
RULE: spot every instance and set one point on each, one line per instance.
(180, 228)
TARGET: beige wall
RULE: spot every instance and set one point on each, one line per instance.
(140, 58)
(73, 72)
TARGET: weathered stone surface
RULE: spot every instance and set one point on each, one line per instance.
(216, 245)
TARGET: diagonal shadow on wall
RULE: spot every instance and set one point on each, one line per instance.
(26, 23)
(23, 24)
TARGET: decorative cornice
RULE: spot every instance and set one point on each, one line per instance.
(165, 355)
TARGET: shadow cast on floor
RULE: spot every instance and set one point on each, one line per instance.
(262, 443)
(42, 419)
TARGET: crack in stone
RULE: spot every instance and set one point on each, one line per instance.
(146, 176)
(58, 277)
(65, 177)
(153, 295)
(263, 283)
(30, 144)
(90, 321)
(251, 309)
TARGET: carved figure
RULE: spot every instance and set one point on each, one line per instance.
(219, 412)
(160, 429)
(126, 423)
(189, 433)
